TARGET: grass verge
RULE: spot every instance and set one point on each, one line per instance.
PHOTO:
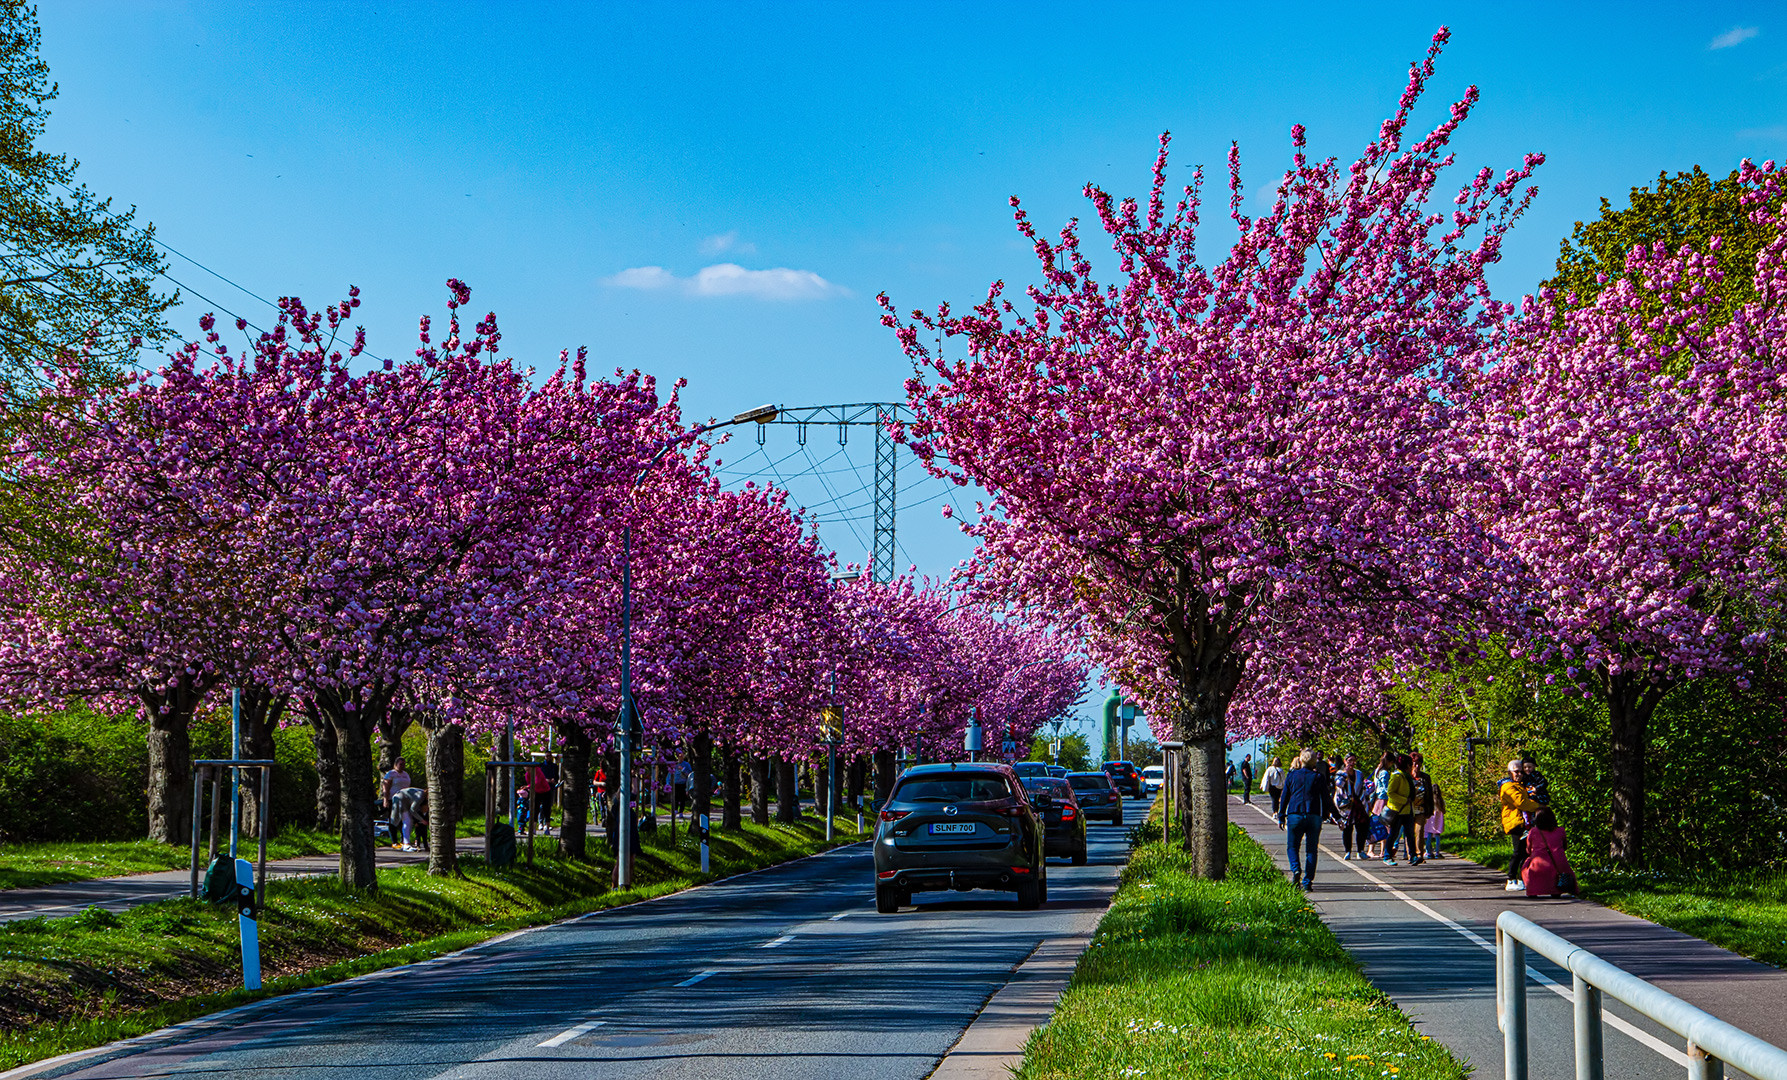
(1743, 912)
(68, 984)
(1237, 978)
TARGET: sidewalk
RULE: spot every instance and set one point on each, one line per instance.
(1425, 935)
(121, 893)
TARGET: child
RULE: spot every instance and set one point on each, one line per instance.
(1436, 823)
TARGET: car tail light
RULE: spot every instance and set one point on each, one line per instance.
(893, 815)
(1020, 869)
(885, 874)
(1067, 813)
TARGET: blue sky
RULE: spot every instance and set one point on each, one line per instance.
(717, 192)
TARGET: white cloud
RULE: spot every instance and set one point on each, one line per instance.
(1777, 133)
(642, 277)
(1737, 35)
(726, 241)
(731, 279)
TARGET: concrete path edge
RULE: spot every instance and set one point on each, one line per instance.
(992, 1046)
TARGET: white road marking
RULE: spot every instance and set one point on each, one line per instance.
(1637, 1033)
(693, 979)
(838, 916)
(783, 940)
(568, 1034)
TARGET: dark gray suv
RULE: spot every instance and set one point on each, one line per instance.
(959, 826)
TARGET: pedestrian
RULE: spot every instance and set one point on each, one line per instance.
(1436, 823)
(1536, 784)
(409, 808)
(538, 792)
(1307, 801)
(550, 768)
(1272, 783)
(1399, 812)
(1516, 803)
(1350, 804)
(1423, 803)
(1547, 869)
(395, 780)
(1247, 778)
(1380, 786)
(1231, 774)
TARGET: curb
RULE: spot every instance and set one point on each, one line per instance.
(992, 1047)
(200, 1024)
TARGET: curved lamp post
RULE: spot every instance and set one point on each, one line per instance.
(623, 868)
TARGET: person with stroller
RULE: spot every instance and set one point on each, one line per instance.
(409, 810)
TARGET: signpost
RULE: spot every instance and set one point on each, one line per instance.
(971, 737)
(831, 722)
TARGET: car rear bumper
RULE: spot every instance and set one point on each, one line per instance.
(924, 869)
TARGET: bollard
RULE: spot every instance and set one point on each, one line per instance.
(1511, 982)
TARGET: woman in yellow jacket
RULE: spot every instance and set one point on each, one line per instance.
(1399, 807)
(1516, 802)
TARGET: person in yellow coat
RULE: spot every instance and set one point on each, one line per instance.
(1516, 802)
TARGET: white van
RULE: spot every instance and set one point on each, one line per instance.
(1152, 777)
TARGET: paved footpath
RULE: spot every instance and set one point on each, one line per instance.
(122, 893)
(1425, 935)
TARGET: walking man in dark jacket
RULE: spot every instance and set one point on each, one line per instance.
(1307, 801)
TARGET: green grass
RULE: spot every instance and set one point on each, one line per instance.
(23, 866)
(96, 977)
(1238, 978)
(1745, 912)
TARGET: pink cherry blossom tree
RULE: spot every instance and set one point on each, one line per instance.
(1180, 456)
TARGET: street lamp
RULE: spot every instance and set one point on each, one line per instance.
(623, 868)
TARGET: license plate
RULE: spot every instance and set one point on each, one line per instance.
(947, 827)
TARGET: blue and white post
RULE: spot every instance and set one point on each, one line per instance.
(247, 923)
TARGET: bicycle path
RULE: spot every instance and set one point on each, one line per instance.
(1425, 935)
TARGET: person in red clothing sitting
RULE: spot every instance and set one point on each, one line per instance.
(1545, 858)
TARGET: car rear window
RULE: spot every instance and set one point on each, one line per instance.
(953, 787)
(1088, 783)
(1049, 786)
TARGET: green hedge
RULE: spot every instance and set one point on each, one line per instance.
(79, 774)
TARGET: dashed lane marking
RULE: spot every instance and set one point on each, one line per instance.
(568, 1034)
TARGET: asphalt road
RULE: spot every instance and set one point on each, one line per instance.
(785, 973)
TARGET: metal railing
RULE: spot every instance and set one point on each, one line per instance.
(1712, 1043)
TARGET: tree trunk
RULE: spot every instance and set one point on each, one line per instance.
(573, 776)
(760, 773)
(1630, 704)
(355, 719)
(884, 776)
(701, 749)
(261, 712)
(859, 769)
(391, 727)
(729, 788)
(328, 769)
(611, 801)
(170, 777)
(822, 793)
(1205, 815)
(446, 779)
(170, 760)
(787, 792)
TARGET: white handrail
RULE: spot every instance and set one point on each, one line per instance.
(1711, 1041)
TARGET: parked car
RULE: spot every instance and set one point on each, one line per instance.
(1126, 776)
(959, 826)
(1153, 777)
(1063, 820)
(1027, 769)
(1097, 795)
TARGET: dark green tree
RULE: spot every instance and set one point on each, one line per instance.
(1076, 752)
(1685, 209)
(77, 280)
